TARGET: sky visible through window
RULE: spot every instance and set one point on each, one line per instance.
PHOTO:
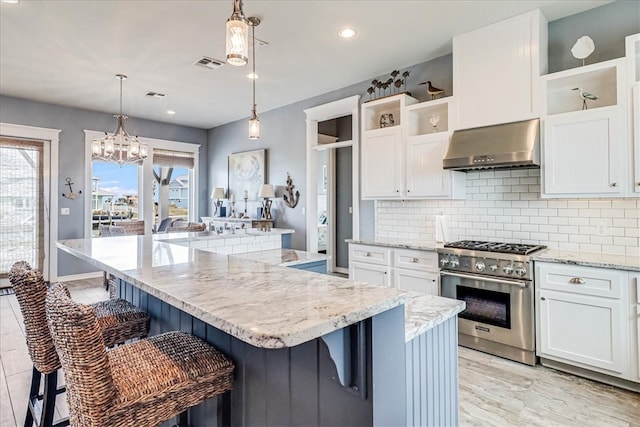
(123, 180)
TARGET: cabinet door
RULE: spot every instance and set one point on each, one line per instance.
(417, 281)
(635, 122)
(635, 325)
(584, 153)
(496, 70)
(425, 176)
(370, 273)
(382, 163)
(590, 331)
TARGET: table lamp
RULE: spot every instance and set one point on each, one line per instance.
(217, 194)
(266, 192)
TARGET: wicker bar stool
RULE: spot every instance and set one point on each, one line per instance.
(138, 384)
(118, 321)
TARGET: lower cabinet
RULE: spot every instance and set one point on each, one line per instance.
(407, 269)
(582, 318)
(635, 326)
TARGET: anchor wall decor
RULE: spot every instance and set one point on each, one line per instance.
(290, 198)
(71, 194)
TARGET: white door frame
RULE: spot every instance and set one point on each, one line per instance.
(50, 178)
(343, 107)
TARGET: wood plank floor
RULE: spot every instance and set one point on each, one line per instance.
(493, 391)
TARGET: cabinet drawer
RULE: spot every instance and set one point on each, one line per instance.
(369, 254)
(416, 260)
(581, 280)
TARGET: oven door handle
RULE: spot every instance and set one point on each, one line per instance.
(520, 284)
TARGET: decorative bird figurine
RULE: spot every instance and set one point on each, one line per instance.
(585, 95)
(432, 90)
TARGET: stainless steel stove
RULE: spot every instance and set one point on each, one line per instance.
(496, 282)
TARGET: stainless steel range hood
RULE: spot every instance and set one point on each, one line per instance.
(508, 145)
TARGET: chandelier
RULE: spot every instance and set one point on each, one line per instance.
(119, 147)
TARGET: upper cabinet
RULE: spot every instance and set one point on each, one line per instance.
(633, 90)
(402, 157)
(496, 71)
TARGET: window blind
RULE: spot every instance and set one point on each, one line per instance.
(173, 159)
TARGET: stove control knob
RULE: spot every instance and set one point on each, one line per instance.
(494, 267)
(507, 269)
(480, 266)
(444, 261)
(520, 271)
(454, 263)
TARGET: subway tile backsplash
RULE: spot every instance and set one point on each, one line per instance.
(505, 205)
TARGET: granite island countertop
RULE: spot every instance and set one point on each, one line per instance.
(207, 235)
(261, 304)
(589, 259)
(424, 312)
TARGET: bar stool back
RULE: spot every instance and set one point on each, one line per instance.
(119, 321)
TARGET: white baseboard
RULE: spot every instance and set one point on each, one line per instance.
(82, 276)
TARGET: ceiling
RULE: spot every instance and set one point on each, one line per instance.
(68, 52)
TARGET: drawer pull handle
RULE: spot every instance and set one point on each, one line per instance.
(367, 254)
(543, 298)
(414, 260)
(576, 281)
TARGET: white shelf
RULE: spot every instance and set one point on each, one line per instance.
(420, 115)
(389, 105)
(600, 79)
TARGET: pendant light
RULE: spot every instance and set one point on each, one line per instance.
(119, 147)
(254, 122)
(237, 36)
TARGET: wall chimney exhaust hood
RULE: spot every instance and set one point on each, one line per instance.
(509, 145)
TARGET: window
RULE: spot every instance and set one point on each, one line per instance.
(172, 189)
(114, 194)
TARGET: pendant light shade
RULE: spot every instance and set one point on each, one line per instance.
(254, 122)
(237, 36)
(119, 147)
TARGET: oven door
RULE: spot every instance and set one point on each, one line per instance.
(499, 310)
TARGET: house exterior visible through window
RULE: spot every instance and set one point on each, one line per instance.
(173, 173)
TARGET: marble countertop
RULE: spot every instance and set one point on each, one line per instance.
(205, 235)
(590, 259)
(423, 312)
(264, 305)
(282, 257)
(399, 243)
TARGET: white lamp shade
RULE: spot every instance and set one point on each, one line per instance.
(267, 191)
(254, 128)
(217, 193)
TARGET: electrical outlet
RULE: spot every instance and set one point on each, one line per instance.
(304, 211)
(65, 211)
(601, 230)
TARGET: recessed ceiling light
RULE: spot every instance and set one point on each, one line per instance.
(346, 33)
(11, 1)
(253, 76)
(170, 112)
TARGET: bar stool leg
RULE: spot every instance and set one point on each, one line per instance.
(49, 398)
(183, 419)
(33, 395)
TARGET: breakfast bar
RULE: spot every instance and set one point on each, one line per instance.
(309, 349)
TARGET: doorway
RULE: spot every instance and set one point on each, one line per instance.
(332, 180)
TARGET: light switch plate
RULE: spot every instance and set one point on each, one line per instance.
(65, 211)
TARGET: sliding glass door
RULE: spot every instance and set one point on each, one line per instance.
(22, 207)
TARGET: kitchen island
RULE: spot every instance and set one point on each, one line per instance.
(309, 349)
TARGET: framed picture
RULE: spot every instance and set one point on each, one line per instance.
(247, 172)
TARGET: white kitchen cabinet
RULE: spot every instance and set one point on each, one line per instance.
(634, 279)
(496, 71)
(632, 44)
(407, 269)
(426, 144)
(404, 161)
(382, 164)
(370, 273)
(585, 151)
(582, 318)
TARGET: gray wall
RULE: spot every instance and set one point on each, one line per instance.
(73, 122)
(283, 129)
(607, 25)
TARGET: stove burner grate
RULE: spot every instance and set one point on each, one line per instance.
(509, 248)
